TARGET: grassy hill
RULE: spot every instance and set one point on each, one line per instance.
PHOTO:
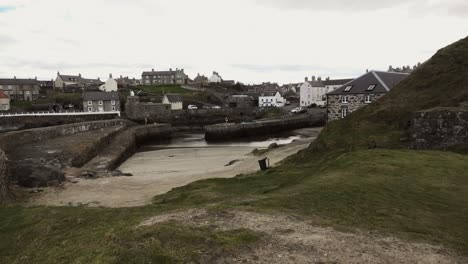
(338, 181)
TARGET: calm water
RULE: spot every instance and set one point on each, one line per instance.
(197, 140)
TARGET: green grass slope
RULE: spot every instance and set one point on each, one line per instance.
(337, 181)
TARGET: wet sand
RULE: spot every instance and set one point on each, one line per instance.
(157, 172)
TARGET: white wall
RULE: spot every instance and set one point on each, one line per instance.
(215, 79)
(275, 101)
(109, 86)
(312, 95)
(174, 106)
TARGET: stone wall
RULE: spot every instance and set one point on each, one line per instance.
(13, 123)
(136, 110)
(114, 154)
(4, 177)
(228, 131)
(439, 129)
(355, 101)
(11, 139)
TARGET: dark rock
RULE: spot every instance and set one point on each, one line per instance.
(116, 173)
(53, 183)
(127, 174)
(33, 175)
(88, 175)
(273, 146)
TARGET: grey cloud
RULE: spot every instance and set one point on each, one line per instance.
(452, 7)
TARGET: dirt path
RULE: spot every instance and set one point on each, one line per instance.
(292, 239)
(158, 172)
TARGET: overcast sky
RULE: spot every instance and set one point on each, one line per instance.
(246, 40)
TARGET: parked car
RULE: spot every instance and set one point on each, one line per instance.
(312, 105)
(192, 107)
(216, 107)
(298, 110)
(206, 107)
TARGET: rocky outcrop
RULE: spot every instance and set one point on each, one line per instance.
(439, 129)
(4, 177)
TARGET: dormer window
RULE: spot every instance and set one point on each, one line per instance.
(371, 87)
(348, 88)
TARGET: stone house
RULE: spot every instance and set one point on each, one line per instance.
(360, 92)
(126, 82)
(101, 102)
(4, 101)
(110, 85)
(271, 100)
(240, 101)
(200, 79)
(164, 77)
(174, 100)
(75, 83)
(20, 89)
(134, 109)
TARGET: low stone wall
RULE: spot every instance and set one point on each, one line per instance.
(439, 129)
(128, 141)
(4, 177)
(11, 139)
(13, 123)
(227, 131)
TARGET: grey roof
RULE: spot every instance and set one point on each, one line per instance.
(316, 83)
(100, 96)
(337, 82)
(18, 82)
(174, 98)
(154, 73)
(78, 78)
(384, 82)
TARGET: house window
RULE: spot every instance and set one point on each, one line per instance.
(348, 88)
(344, 99)
(368, 99)
(100, 102)
(90, 102)
(344, 112)
(113, 102)
(90, 109)
(371, 87)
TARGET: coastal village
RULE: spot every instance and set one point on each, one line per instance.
(165, 92)
(263, 132)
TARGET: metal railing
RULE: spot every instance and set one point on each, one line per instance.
(63, 113)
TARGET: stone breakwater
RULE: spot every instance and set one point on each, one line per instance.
(262, 127)
(13, 123)
(125, 145)
(10, 140)
(439, 129)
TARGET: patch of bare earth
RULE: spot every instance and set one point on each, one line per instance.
(292, 239)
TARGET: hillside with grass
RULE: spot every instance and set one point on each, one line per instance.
(357, 176)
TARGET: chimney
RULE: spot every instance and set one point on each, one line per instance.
(182, 70)
(14, 77)
(313, 78)
(170, 69)
(367, 70)
(320, 78)
(152, 70)
(328, 78)
(79, 75)
(390, 68)
(110, 75)
(35, 78)
(306, 79)
(58, 73)
(120, 76)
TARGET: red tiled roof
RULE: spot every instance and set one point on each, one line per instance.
(3, 95)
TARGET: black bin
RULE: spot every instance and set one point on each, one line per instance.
(264, 163)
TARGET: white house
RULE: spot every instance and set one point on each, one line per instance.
(314, 92)
(174, 100)
(273, 99)
(215, 78)
(110, 85)
(4, 101)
